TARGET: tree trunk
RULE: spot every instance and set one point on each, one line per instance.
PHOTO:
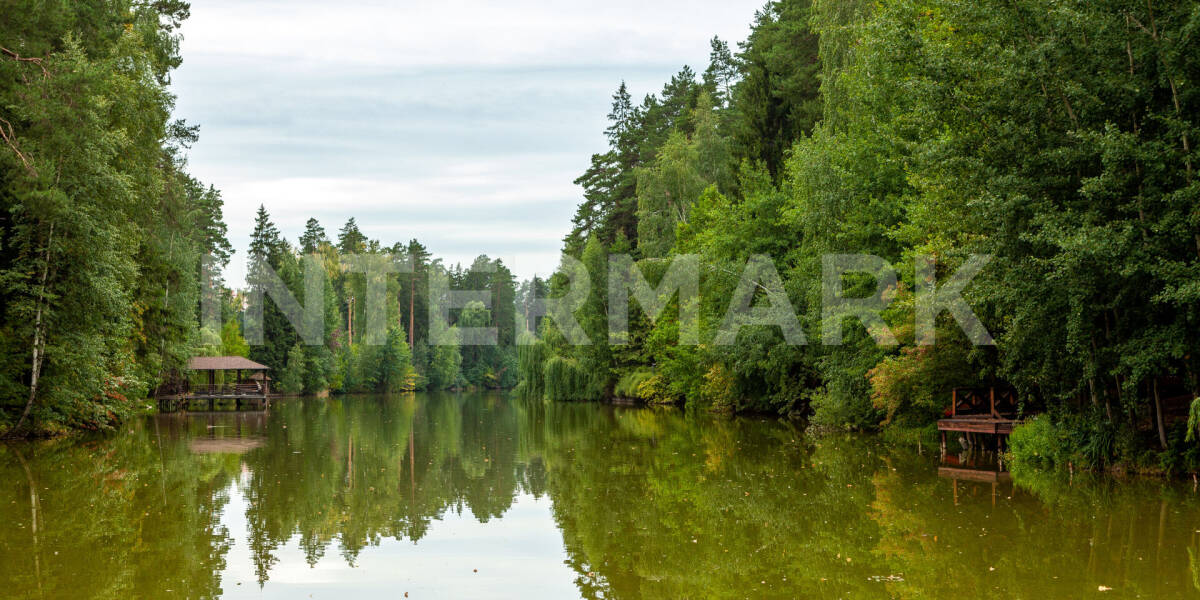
(34, 504)
(1158, 417)
(39, 337)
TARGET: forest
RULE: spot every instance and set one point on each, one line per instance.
(413, 351)
(1056, 137)
(106, 240)
(102, 229)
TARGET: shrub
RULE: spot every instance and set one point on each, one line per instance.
(627, 386)
(564, 379)
(1038, 443)
(1087, 441)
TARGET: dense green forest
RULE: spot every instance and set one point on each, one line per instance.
(106, 244)
(1057, 137)
(412, 350)
(101, 228)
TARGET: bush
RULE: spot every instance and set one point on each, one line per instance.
(1086, 441)
(718, 388)
(565, 380)
(835, 406)
(1037, 443)
(627, 386)
(531, 357)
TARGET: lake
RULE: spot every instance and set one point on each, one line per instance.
(484, 495)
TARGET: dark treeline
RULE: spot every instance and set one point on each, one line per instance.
(1057, 137)
(415, 351)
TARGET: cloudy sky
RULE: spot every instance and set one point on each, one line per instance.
(459, 123)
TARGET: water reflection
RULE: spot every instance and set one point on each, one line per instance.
(457, 495)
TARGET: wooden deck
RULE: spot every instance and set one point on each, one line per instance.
(981, 411)
(988, 425)
(254, 392)
(258, 401)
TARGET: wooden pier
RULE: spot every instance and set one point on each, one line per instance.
(981, 411)
(253, 392)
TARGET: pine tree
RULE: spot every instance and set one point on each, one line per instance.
(778, 95)
(721, 73)
(396, 373)
(269, 252)
(292, 381)
(313, 237)
(350, 239)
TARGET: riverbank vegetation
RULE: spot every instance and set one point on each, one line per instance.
(1058, 138)
(106, 243)
(102, 230)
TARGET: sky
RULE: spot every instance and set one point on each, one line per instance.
(461, 123)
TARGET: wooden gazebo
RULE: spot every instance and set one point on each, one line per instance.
(989, 411)
(250, 382)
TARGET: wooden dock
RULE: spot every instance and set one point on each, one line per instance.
(180, 402)
(253, 392)
(981, 411)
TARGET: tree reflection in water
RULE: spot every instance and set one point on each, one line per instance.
(649, 503)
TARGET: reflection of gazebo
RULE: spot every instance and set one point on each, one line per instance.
(256, 386)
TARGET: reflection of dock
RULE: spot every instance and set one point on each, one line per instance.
(970, 474)
(973, 470)
(224, 445)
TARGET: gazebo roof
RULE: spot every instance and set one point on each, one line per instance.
(224, 363)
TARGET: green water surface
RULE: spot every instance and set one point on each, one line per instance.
(483, 495)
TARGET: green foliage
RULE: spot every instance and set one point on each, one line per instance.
(292, 380)
(1039, 443)
(1193, 420)
(776, 101)
(101, 229)
(566, 380)
(1058, 439)
(1056, 138)
(531, 355)
(446, 361)
(232, 342)
(396, 372)
(635, 385)
(318, 369)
